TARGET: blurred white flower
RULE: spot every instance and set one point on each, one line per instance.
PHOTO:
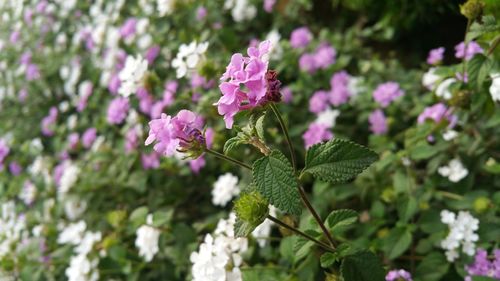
(225, 188)
(165, 7)
(147, 240)
(461, 233)
(82, 269)
(455, 171)
(240, 10)
(263, 231)
(188, 57)
(450, 134)
(443, 90)
(74, 207)
(28, 193)
(132, 74)
(495, 87)
(430, 78)
(72, 233)
(68, 178)
(328, 117)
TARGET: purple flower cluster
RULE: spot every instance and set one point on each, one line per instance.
(316, 133)
(48, 122)
(398, 275)
(387, 92)
(245, 82)
(437, 113)
(89, 137)
(339, 94)
(269, 5)
(472, 49)
(483, 266)
(322, 58)
(300, 37)
(31, 70)
(435, 56)
(182, 133)
(118, 110)
(378, 122)
(4, 151)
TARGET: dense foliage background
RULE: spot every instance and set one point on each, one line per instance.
(83, 198)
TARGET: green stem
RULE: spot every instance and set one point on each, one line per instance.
(296, 231)
(466, 43)
(227, 158)
(450, 195)
(495, 43)
(316, 217)
(285, 132)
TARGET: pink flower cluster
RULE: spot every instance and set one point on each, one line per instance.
(245, 84)
(322, 58)
(467, 54)
(182, 133)
(49, 121)
(386, 93)
(437, 113)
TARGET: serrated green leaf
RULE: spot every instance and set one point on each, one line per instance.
(275, 180)
(362, 266)
(339, 218)
(232, 143)
(338, 160)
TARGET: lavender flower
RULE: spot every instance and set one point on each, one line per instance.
(387, 92)
(118, 110)
(435, 56)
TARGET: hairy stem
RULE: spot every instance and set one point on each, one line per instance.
(227, 158)
(316, 217)
(285, 132)
(450, 195)
(296, 231)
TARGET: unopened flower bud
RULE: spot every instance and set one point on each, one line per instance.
(472, 9)
(481, 204)
(252, 208)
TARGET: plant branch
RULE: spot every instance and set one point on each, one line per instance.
(298, 232)
(227, 158)
(495, 43)
(450, 195)
(316, 217)
(466, 44)
(285, 132)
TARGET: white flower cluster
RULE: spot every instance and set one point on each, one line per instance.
(443, 89)
(82, 267)
(430, 79)
(328, 117)
(262, 232)
(147, 239)
(219, 256)
(461, 233)
(225, 188)
(28, 193)
(132, 74)
(12, 227)
(276, 51)
(188, 57)
(240, 9)
(165, 7)
(455, 171)
(68, 178)
(495, 87)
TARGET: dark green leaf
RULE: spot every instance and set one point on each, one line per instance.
(339, 218)
(362, 266)
(338, 160)
(397, 242)
(433, 267)
(232, 143)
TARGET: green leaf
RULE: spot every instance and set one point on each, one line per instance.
(303, 246)
(433, 267)
(138, 216)
(259, 126)
(474, 66)
(483, 278)
(339, 218)
(338, 160)
(407, 208)
(327, 259)
(275, 180)
(397, 242)
(362, 266)
(232, 143)
(161, 218)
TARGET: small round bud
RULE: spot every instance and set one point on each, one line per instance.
(252, 208)
(472, 9)
(481, 204)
